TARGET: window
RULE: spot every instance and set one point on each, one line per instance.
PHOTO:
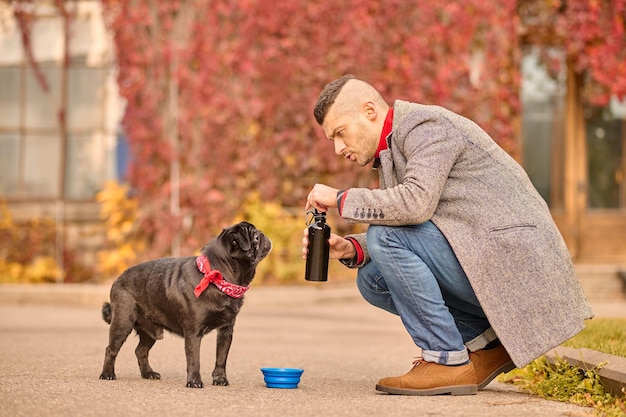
(543, 122)
(605, 133)
(37, 160)
(31, 147)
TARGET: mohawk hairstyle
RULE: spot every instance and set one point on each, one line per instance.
(328, 95)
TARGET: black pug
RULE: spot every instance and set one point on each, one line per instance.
(174, 294)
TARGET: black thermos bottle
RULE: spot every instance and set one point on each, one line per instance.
(317, 258)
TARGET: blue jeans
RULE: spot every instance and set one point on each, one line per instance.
(414, 273)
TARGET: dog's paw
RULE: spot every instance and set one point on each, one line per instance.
(221, 381)
(196, 383)
(108, 376)
(151, 375)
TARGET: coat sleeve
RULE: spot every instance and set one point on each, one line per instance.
(353, 262)
(423, 155)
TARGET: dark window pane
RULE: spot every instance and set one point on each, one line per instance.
(9, 159)
(543, 119)
(10, 98)
(85, 98)
(42, 107)
(42, 162)
(605, 137)
(85, 166)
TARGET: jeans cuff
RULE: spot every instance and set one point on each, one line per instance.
(446, 358)
(482, 340)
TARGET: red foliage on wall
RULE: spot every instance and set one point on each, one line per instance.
(222, 91)
(595, 36)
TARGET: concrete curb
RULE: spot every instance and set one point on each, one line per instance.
(612, 370)
(77, 295)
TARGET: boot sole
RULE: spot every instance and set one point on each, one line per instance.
(451, 390)
(509, 366)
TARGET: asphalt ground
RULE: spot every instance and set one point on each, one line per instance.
(52, 342)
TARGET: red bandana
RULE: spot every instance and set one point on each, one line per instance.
(214, 277)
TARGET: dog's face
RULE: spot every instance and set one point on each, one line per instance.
(245, 243)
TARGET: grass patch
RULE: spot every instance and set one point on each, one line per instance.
(603, 335)
(565, 383)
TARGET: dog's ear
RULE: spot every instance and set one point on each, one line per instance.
(243, 241)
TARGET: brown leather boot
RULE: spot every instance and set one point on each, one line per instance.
(428, 378)
(488, 364)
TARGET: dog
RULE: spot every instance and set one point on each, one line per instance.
(175, 294)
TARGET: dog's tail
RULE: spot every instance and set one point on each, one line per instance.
(106, 312)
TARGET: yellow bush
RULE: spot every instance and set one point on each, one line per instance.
(6, 220)
(119, 214)
(11, 272)
(42, 269)
(26, 253)
(284, 264)
(284, 227)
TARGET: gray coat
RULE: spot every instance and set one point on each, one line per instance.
(443, 167)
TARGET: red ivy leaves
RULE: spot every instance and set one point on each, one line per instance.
(596, 42)
(241, 78)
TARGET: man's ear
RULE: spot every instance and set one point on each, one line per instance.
(370, 109)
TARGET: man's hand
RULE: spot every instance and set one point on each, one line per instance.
(322, 197)
(340, 248)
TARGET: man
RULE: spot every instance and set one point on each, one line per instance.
(459, 244)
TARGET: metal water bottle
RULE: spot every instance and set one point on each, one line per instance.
(317, 258)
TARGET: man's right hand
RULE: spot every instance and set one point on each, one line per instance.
(340, 248)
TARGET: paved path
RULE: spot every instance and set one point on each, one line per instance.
(52, 342)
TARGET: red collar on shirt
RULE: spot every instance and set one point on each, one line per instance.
(382, 143)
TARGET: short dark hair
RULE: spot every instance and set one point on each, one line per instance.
(328, 95)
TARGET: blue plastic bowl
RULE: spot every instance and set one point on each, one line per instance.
(282, 377)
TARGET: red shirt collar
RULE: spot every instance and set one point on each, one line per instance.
(387, 126)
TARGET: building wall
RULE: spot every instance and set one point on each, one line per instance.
(39, 165)
(44, 173)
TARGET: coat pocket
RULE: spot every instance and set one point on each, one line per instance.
(512, 228)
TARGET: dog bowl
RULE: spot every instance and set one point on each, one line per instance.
(282, 377)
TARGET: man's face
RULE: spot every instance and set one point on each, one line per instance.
(353, 135)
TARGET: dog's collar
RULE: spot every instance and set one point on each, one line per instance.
(212, 276)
